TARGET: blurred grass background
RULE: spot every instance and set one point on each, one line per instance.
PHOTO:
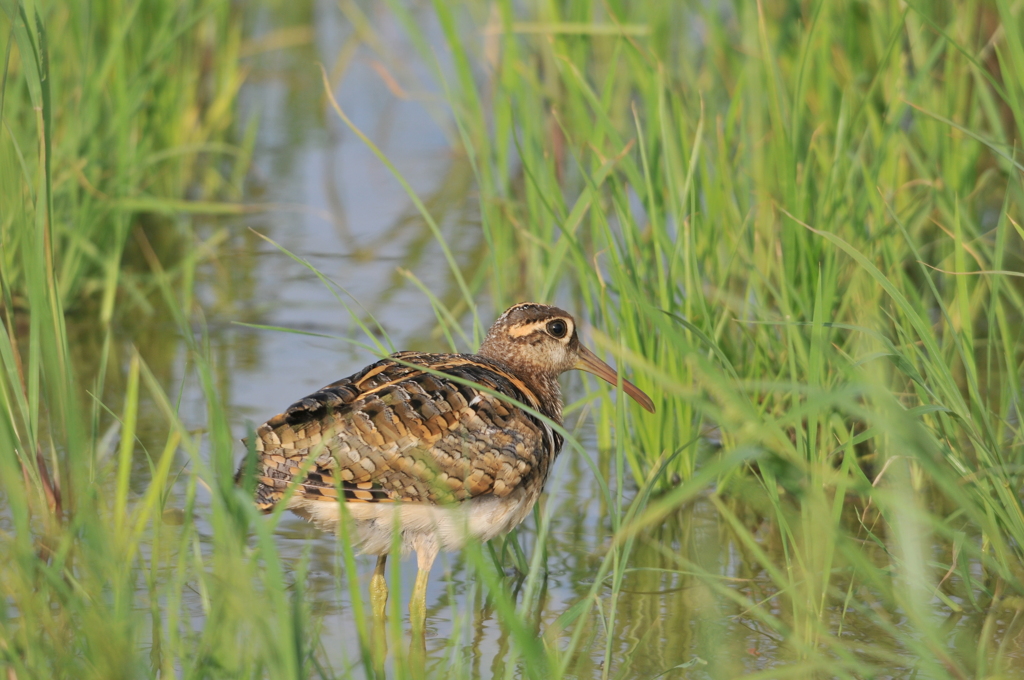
(798, 224)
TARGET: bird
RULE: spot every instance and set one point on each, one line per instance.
(442, 448)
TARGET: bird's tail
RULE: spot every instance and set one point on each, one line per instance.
(248, 477)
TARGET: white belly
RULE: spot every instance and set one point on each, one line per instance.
(424, 528)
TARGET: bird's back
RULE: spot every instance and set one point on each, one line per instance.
(413, 427)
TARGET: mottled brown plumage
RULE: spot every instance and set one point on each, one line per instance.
(434, 444)
(397, 432)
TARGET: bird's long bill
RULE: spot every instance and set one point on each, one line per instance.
(589, 362)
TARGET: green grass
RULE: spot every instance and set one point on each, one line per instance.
(804, 228)
(798, 226)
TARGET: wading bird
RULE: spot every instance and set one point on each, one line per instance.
(435, 446)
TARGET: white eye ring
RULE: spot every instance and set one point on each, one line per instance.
(557, 328)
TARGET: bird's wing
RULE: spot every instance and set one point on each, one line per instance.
(396, 431)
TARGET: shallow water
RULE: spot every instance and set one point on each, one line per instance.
(339, 208)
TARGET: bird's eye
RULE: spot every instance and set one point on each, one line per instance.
(557, 328)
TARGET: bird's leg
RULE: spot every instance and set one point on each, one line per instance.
(417, 638)
(417, 621)
(418, 602)
(425, 556)
(378, 602)
(379, 588)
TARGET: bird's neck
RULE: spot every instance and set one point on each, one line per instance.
(543, 384)
(547, 389)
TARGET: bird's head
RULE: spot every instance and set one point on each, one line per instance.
(540, 343)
